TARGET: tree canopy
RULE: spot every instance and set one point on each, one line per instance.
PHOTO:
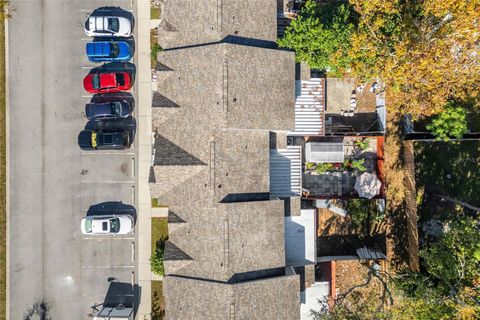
(424, 52)
(452, 123)
(320, 33)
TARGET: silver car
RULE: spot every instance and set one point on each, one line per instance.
(108, 26)
(107, 224)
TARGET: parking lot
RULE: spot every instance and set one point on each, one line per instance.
(53, 184)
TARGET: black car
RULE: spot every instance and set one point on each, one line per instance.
(108, 110)
(104, 140)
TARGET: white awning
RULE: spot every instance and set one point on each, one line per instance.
(285, 171)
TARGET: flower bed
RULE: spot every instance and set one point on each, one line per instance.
(348, 165)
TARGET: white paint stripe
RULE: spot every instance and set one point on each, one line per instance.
(133, 195)
(133, 167)
(107, 153)
(133, 251)
(89, 97)
(105, 267)
(104, 237)
(87, 67)
(86, 39)
(106, 181)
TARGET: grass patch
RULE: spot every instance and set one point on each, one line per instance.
(154, 13)
(449, 169)
(158, 301)
(3, 250)
(154, 48)
(159, 232)
(159, 236)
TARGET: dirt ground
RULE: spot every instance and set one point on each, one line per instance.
(399, 171)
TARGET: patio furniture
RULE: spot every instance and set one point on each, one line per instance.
(368, 185)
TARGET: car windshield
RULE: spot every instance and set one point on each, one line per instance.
(120, 79)
(96, 81)
(117, 108)
(113, 24)
(114, 51)
(88, 225)
(114, 225)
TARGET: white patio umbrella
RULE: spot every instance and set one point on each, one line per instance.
(368, 185)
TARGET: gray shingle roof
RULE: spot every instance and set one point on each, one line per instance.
(272, 298)
(187, 22)
(222, 87)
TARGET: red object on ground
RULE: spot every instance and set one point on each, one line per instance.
(107, 82)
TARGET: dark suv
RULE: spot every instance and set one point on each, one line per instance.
(104, 140)
(108, 110)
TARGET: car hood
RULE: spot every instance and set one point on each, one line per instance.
(125, 51)
(126, 224)
(125, 26)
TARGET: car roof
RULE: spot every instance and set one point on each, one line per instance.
(111, 138)
(96, 109)
(101, 225)
(108, 80)
(98, 49)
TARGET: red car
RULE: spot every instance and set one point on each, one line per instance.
(107, 82)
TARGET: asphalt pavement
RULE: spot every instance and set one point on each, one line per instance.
(53, 268)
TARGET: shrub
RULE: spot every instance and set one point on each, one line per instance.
(310, 165)
(324, 167)
(362, 144)
(156, 261)
(359, 165)
(154, 50)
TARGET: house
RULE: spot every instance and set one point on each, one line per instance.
(221, 113)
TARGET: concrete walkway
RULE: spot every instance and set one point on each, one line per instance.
(144, 130)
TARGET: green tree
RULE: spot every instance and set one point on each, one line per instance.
(320, 33)
(454, 260)
(452, 123)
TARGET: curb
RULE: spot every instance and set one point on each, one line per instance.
(7, 177)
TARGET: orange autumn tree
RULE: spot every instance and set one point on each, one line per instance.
(425, 52)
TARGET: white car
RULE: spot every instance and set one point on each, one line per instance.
(112, 224)
(108, 26)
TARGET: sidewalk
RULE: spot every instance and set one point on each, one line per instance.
(144, 130)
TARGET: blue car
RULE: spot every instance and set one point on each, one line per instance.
(109, 51)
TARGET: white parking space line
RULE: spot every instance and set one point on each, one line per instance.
(133, 167)
(133, 251)
(87, 96)
(87, 67)
(86, 39)
(107, 238)
(107, 181)
(107, 153)
(105, 267)
(133, 195)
